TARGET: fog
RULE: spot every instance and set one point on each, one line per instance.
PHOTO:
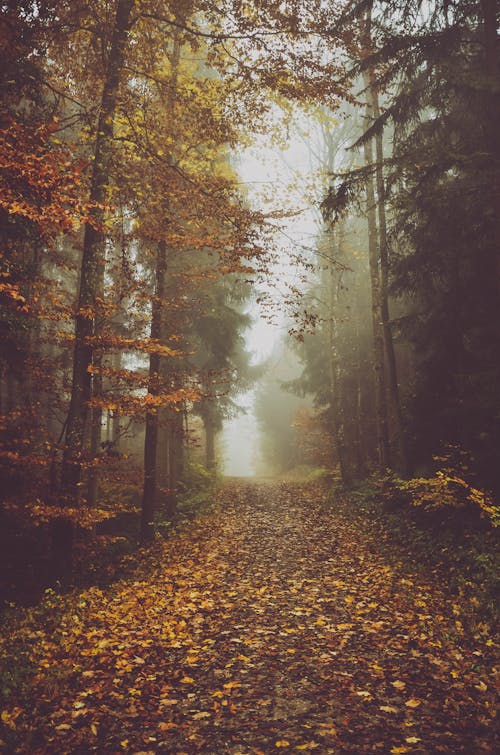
(272, 176)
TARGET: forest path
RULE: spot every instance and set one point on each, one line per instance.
(272, 623)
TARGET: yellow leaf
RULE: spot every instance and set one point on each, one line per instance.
(187, 680)
(413, 703)
(396, 750)
(398, 684)
(93, 729)
(282, 743)
(307, 746)
(231, 685)
(9, 719)
(413, 740)
(388, 708)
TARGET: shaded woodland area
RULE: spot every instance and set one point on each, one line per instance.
(133, 259)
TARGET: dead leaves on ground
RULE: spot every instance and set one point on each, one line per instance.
(268, 625)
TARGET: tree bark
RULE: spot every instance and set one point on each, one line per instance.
(150, 489)
(95, 414)
(165, 459)
(91, 271)
(375, 280)
(210, 459)
(489, 10)
(210, 445)
(93, 258)
(334, 376)
(392, 370)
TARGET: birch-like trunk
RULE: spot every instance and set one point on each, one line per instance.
(150, 489)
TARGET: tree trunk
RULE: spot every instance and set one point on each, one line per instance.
(335, 397)
(115, 416)
(378, 337)
(167, 481)
(179, 439)
(150, 490)
(489, 9)
(358, 414)
(392, 371)
(93, 258)
(95, 437)
(210, 460)
(91, 271)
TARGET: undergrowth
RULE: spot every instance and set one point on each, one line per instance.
(454, 542)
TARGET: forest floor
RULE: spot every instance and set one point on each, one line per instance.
(272, 623)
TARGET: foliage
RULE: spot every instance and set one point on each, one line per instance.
(446, 494)
(197, 489)
(461, 549)
(311, 474)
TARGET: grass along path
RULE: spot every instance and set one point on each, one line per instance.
(271, 624)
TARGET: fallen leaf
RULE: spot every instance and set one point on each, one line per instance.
(413, 703)
(398, 684)
(308, 746)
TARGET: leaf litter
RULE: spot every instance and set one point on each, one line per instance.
(269, 623)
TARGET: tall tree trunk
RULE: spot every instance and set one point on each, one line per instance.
(489, 10)
(150, 490)
(358, 413)
(115, 417)
(91, 271)
(210, 459)
(378, 335)
(159, 442)
(392, 371)
(167, 479)
(96, 412)
(334, 377)
(93, 257)
(177, 462)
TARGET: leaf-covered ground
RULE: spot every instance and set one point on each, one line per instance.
(272, 624)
